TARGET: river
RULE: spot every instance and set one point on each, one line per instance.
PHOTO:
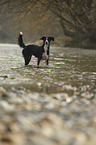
(67, 66)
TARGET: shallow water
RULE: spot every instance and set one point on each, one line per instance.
(67, 66)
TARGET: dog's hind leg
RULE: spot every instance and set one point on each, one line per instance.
(27, 56)
(27, 59)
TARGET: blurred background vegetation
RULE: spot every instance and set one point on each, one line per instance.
(71, 22)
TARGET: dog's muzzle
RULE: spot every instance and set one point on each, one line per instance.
(46, 42)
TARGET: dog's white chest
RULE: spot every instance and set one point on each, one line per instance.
(44, 55)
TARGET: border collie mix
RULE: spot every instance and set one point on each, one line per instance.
(41, 52)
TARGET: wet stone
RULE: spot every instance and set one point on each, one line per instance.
(87, 95)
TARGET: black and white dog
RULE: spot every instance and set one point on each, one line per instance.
(41, 52)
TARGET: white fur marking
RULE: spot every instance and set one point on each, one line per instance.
(45, 56)
(46, 42)
(21, 33)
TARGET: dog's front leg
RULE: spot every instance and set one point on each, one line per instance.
(47, 61)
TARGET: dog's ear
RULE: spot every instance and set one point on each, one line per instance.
(51, 38)
(43, 38)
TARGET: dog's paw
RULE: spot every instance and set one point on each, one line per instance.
(37, 66)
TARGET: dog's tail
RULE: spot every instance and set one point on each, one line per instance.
(20, 40)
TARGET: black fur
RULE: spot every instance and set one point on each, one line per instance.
(41, 52)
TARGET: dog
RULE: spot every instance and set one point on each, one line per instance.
(41, 52)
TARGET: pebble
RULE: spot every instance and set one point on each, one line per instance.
(87, 95)
(6, 106)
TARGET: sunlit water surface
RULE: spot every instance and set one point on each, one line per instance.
(67, 66)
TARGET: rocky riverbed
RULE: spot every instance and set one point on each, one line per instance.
(53, 105)
(32, 118)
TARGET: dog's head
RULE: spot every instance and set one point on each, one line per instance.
(46, 43)
(47, 40)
